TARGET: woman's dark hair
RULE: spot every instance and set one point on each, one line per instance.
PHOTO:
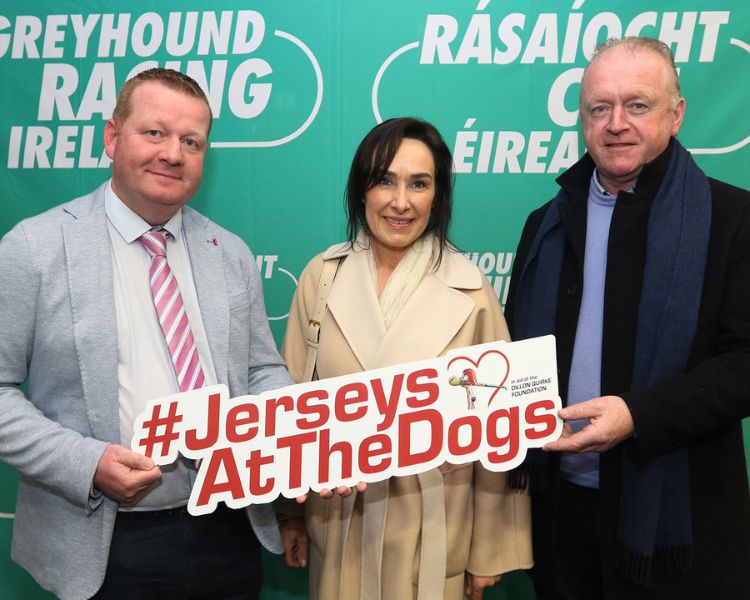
(372, 159)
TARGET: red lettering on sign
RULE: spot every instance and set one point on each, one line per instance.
(373, 447)
(307, 406)
(325, 451)
(416, 387)
(349, 395)
(192, 441)
(405, 456)
(295, 443)
(533, 418)
(220, 458)
(388, 407)
(255, 464)
(474, 426)
(494, 422)
(242, 415)
(272, 404)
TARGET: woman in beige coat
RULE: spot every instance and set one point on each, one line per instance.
(401, 293)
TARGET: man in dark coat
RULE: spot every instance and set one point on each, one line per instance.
(640, 266)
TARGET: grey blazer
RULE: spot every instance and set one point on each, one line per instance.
(58, 333)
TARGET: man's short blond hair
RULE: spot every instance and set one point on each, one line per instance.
(168, 77)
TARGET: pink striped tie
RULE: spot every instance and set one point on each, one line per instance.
(171, 312)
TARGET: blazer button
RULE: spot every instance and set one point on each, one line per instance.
(572, 290)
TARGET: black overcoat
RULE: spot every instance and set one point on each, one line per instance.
(700, 409)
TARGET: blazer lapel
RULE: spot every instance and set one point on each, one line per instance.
(354, 304)
(211, 287)
(89, 269)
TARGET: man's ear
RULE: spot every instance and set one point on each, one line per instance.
(110, 138)
(679, 114)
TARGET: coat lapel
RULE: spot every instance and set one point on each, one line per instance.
(573, 217)
(354, 304)
(210, 285)
(89, 270)
(429, 320)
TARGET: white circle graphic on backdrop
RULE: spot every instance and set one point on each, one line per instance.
(294, 279)
(413, 45)
(311, 117)
(381, 72)
(740, 144)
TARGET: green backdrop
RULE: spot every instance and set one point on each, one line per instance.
(295, 85)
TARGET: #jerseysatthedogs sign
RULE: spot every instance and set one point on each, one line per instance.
(488, 403)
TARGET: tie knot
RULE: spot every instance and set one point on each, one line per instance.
(155, 242)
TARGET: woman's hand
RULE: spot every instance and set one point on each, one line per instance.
(342, 491)
(475, 585)
(296, 542)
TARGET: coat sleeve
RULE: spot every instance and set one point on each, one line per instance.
(714, 394)
(294, 352)
(501, 531)
(294, 347)
(43, 450)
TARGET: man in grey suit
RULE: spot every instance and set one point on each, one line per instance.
(79, 324)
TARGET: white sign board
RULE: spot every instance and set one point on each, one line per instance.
(490, 403)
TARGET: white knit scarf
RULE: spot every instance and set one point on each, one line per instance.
(405, 278)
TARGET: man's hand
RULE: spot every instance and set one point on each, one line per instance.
(122, 474)
(610, 422)
(475, 585)
(342, 490)
(296, 542)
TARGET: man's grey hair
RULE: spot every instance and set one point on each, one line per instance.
(639, 43)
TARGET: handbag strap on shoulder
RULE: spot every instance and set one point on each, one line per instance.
(313, 326)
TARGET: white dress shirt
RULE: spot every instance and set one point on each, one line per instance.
(145, 368)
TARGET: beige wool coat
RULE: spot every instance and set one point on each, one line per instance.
(407, 538)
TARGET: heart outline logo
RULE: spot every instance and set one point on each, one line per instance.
(476, 363)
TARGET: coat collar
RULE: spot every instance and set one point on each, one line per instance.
(429, 320)
(576, 179)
